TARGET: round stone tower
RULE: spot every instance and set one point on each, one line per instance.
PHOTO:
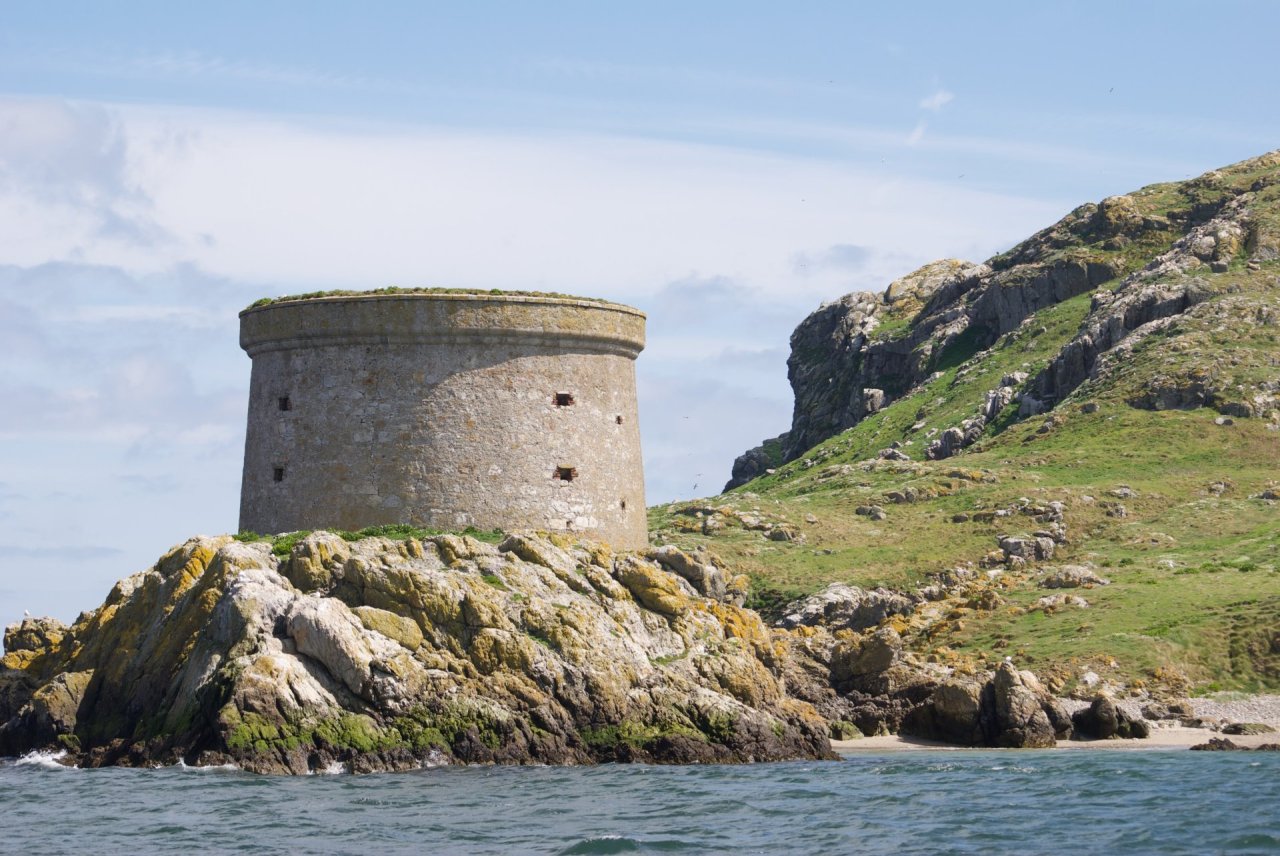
(444, 410)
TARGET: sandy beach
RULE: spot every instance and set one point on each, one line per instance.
(1225, 708)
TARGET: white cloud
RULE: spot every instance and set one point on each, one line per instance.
(309, 205)
(937, 100)
(129, 253)
(917, 133)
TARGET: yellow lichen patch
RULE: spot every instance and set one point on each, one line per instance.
(397, 627)
(653, 587)
(456, 549)
(601, 556)
(802, 710)
(744, 678)
(493, 650)
(739, 623)
(18, 660)
(309, 565)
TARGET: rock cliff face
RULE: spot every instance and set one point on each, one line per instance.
(1148, 257)
(391, 654)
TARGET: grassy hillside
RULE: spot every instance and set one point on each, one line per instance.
(1163, 497)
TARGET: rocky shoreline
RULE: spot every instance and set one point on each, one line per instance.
(384, 654)
(397, 653)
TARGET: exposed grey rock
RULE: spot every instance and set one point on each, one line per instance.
(951, 441)
(996, 400)
(873, 400)
(1072, 576)
(1053, 602)
(1017, 717)
(844, 606)
(704, 575)
(1027, 549)
(754, 463)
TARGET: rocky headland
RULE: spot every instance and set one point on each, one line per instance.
(387, 654)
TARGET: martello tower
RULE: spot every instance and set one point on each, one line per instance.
(444, 410)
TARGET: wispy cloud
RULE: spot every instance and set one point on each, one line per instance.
(917, 133)
(937, 100)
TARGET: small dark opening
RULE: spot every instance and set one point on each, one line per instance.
(566, 473)
(285, 403)
(618, 419)
(277, 474)
(563, 399)
(623, 503)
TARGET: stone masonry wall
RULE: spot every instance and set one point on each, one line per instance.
(444, 411)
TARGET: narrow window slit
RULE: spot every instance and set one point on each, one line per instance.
(563, 399)
(618, 419)
(284, 402)
(623, 503)
(277, 474)
(565, 474)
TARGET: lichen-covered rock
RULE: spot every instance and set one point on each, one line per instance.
(1072, 576)
(871, 655)
(1027, 548)
(842, 606)
(387, 654)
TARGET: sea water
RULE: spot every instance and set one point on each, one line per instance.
(1077, 802)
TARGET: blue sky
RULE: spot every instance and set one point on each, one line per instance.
(726, 167)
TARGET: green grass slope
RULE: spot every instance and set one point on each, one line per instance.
(1165, 498)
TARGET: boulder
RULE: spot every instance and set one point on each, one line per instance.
(842, 606)
(1104, 719)
(953, 714)
(1017, 717)
(1217, 744)
(1034, 548)
(869, 655)
(1011, 709)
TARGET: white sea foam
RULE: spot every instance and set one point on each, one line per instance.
(208, 768)
(45, 760)
(333, 768)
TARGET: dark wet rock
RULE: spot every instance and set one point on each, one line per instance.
(754, 463)
(1011, 709)
(1104, 719)
(1217, 744)
(1244, 728)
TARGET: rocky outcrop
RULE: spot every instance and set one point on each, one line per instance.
(754, 463)
(842, 606)
(1011, 709)
(861, 683)
(1104, 719)
(389, 654)
(858, 354)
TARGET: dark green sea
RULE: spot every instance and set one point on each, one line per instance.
(936, 802)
